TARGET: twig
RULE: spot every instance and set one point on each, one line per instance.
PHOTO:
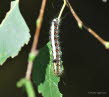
(62, 9)
(81, 24)
(34, 50)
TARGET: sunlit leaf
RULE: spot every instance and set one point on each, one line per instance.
(14, 33)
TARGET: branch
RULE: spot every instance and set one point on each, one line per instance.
(81, 24)
(33, 53)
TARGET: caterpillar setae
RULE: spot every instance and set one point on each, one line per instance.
(55, 45)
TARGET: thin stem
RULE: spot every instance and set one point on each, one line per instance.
(62, 9)
(39, 23)
(34, 50)
(81, 24)
(29, 69)
(97, 36)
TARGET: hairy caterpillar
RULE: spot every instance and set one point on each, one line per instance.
(56, 50)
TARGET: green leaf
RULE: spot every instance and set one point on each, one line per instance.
(43, 75)
(14, 33)
(28, 86)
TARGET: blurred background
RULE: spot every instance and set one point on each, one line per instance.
(85, 60)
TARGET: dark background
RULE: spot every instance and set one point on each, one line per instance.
(86, 61)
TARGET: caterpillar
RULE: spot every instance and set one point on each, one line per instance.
(55, 45)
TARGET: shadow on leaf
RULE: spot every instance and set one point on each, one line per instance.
(40, 65)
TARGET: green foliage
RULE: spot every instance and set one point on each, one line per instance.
(43, 75)
(14, 33)
(28, 86)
